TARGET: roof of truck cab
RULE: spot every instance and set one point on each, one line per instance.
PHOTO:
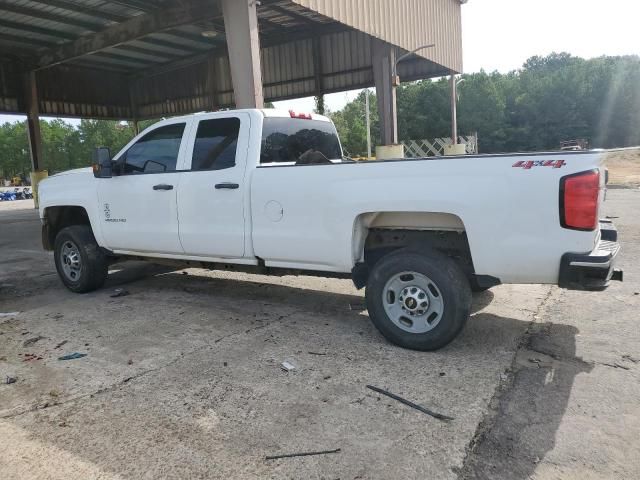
(266, 112)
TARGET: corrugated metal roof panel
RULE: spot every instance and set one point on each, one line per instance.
(406, 23)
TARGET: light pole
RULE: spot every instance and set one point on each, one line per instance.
(368, 119)
(394, 74)
(454, 107)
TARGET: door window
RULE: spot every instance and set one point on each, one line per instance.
(216, 144)
(156, 152)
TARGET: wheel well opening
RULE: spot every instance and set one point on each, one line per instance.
(453, 244)
(379, 234)
(57, 218)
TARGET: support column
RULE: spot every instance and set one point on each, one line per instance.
(133, 104)
(384, 58)
(317, 71)
(33, 121)
(243, 43)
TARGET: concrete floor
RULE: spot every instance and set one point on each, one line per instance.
(182, 377)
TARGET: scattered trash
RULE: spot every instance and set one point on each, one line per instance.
(224, 364)
(442, 374)
(316, 353)
(31, 356)
(72, 356)
(326, 377)
(636, 293)
(119, 292)
(9, 314)
(287, 366)
(302, 454)
(130, 361)
(32, 341)
(64, 342)
(62, 424)
(439, 416)
(54, 393)
(11, 380)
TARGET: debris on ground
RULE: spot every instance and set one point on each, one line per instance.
(302, 454)
(420, 408)
(32, 341)
(357, 307)
(287, 366)
(30, 356)
(64, 342)
(616, 365)
(130, 361)
(119, 292)
(11, 380)
(72, 356)
(317, 353)
(9, 314)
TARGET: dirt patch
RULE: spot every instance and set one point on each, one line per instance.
(624, 167)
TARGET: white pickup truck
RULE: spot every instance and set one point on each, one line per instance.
(269, 191)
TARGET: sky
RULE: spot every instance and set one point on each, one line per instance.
(501, 34)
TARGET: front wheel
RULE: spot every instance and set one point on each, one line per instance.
(80, 263)
(419, 300)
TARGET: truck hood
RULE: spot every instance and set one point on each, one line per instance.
(75, 171)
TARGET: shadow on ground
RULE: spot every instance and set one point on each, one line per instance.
(531, 406)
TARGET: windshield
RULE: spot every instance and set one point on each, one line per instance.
(285, 140)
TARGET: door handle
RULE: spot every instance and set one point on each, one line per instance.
(163, 186)
(227, 185)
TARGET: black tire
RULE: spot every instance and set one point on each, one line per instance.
(93, 266)
(447, 277)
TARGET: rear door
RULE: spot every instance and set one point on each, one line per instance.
(211, 196)
(138, 206)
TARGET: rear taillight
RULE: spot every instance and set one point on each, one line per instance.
(579, 200)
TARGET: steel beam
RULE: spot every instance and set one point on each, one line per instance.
(54, 17)
(133, 29)
(243, 44)
(49, 32)
(77, 8)
(33, 121)
(384, 59)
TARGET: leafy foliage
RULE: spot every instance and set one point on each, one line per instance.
(553, 98)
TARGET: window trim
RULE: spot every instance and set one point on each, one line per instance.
(194, 139)
(187, 122)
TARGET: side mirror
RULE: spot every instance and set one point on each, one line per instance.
(102, 162)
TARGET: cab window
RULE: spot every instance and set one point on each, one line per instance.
(216, 144)
(156, 152)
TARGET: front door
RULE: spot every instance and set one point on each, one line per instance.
(138, 205)
(211, 196)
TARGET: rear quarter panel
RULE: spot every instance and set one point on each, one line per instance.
(510, 213)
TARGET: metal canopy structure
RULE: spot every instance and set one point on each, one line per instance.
(138, 59)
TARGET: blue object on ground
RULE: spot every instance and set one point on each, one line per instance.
(72, 356)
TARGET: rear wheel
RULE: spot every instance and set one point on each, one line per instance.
(418, 299)
(80, 263)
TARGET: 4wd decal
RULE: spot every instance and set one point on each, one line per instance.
(528, 164)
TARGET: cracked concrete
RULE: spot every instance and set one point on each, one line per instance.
(182, 377)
